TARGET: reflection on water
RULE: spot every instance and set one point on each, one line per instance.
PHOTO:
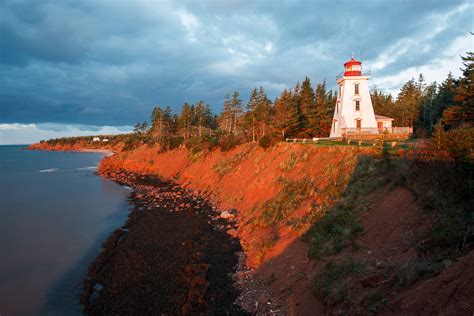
(52, 224)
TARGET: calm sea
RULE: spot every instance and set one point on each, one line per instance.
(54, 215)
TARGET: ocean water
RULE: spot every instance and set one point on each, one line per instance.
(55, 213)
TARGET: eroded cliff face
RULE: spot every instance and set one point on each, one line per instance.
(277, 192)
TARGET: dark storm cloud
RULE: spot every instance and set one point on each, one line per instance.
(110, 62)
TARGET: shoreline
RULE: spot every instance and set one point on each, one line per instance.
(106, 152)
(206, 273)
(241, 278)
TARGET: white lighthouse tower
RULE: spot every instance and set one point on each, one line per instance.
(353, 112)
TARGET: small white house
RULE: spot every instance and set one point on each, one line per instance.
(96, 139)
(384, 123)
(105, 140)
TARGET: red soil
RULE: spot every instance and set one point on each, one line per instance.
(392, 216)
(251, 182)
(449, 293)
(392, 220)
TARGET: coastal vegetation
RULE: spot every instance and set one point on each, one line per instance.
(443, 191)
(443, 111)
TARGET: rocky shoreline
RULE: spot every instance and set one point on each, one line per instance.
(174, 255)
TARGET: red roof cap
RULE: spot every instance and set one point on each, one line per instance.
(353, 68)
(352, 62)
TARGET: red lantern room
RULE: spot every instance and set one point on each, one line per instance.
(353, 68)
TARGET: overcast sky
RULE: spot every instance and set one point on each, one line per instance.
(74, 66)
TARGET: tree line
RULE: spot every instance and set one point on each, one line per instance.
(423, 106)
(304, 111)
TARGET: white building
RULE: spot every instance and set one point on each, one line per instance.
(353, 113)
(384, 123)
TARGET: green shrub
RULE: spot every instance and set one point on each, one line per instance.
(170, 142)
(414, 270)
(227, 142)
(288, 164)
(265, 142)
(373, 302)
(444, 189)
(459, 142)
(290, 197)
(203, 143)
(329, 284)
(225, 165)
(339, 226)
(337, 229)
(132, 142)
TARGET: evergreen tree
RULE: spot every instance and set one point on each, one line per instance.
(199, 117)
(408, 103)
(225, 118)
(286, 114)
(185, 121)
(141, 128)
(236, 111)
(251, 119)
(209, 118)
(302, 122)
(170, 128)
(320, 120)
(307, 99)
(426, 116)
(444, 98)
(463, 111)
(263, 111)
(159, 121)
(383, 104)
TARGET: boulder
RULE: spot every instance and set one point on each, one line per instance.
(226, 215)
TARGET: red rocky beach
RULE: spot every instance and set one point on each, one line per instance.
(173, 255)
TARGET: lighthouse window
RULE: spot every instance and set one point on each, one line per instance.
(356, 88)
(357, 105)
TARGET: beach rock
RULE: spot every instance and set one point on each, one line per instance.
(226, 215)
(232, 232)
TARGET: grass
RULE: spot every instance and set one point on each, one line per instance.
(226, 165)
(290, 197)
(339, 226)
(261, 247)
(331, 143)
(414, 270)
(330, 283)
(443, 189)
(333, 232)
(373, 302)
(288, 164)
(440, 188)
(196, 155)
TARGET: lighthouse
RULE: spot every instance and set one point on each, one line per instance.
(353, 113)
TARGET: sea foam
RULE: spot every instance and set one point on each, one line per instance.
(50, 170)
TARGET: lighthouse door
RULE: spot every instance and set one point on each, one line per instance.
(358, 124)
